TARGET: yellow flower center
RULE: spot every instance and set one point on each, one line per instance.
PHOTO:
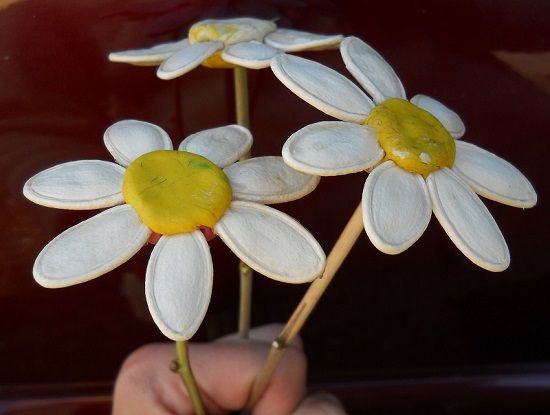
(412, 137)
(228, 31)
(176, 191)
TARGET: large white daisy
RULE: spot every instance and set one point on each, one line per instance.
(412, 147)
(175, 193)
(225, 43)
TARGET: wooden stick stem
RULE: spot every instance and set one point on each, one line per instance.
(184, 369)
(339, 252)
(240, 82)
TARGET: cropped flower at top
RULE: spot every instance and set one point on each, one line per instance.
(175, 193)
(411, 148)
(225, 43)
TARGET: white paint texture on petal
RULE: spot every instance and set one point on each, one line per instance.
(83, 184)
(186, 59)
(221, 145)
(148, 56)
(289, 40)
(493, 177)
(268, 180)
(330, 148)
(371, 70)
(252, 55)
(178, 284)
(271, 242)
(91, 248)
(450, 119)
(322, 87)
(467, 221)
(396, 208)
(126, 140)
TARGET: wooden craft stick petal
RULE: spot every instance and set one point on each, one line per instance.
(396, 208)
(148, 56)
(330, 148)
(91, 248)
(221, 145)
(371, 70)
(271, 242)
(493, 177)
(83, 184)
(450, 119)
(289, 40)
(322, 87)
(467, 221)
(252, 55)
(187, 58)
(126, 140)
(268, 180)
(178, 284)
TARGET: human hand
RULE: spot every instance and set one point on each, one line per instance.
(224, 370)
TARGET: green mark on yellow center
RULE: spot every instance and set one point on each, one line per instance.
(175, 191)
(412, 137)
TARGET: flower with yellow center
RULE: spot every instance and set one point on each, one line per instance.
(411, 148)
(178, 194)
(225, 43)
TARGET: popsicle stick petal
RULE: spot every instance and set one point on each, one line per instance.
(322, 87)
(289, 40)
(187, 58)
(396, 208)
(450, 119)
(178, 284)
(252, 55)
(268, 180)
(330, 148)
(83, 184)
(467, 221)
(91, 248)
(271, 242)
(128, 139)
(221, 145)
(493, 177)
(148, 56)
(371, 70)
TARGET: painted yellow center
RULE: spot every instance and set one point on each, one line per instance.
(228, 31)
(412, 137)
(205, 32)
(176, 191)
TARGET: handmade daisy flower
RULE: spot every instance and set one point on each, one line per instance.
(175, 193)
(225, 43)
(412, 147)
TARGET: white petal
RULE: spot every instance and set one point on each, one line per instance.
(467, 221)
(450, 119)
(294, 40)
(83, 184)
(221, 145)
(331, 148)
(148, 56)
(271, 242)
(178, 284)
(186, 59)
(252, 55)
(396, 208)
(91, 248)
(371, 70)
(128, 139)
(322, 87)
(493, 177)
(268, 180)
